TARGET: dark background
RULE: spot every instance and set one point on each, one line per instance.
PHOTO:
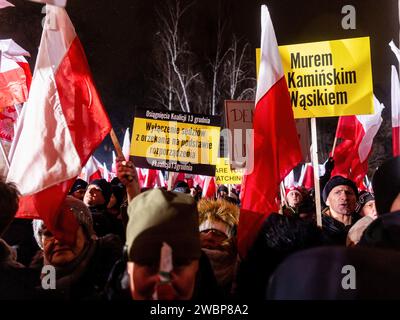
(119, 36)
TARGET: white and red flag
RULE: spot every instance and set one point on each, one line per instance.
(395, 112)
(276, 144)
(5, 4)
(126, 145)
(15, 74)
(64, 121)
(92, 170)
(106, 174)
(395, 93)
(209, 188)
(357, 133)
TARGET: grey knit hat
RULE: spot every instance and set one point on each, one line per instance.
(78, 209)
(158, 216)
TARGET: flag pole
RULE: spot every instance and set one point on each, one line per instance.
(170, 180)
(116, 144)
(314, 157)
(334, 145)
(4, 154)
(118, 148)
(283, 198)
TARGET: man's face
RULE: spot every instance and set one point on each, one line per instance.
(294, 198)
(93, 196)
(57, 253)
(369, 209)
(144, 280)
(342, 200)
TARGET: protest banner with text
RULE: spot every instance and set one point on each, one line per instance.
(175, 141)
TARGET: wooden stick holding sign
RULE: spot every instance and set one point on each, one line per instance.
(314, 157)
(116, 144)
(132, 188)
(334, 145)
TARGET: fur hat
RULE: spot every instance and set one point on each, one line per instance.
(158, 216)
(386, 184)
(78, 209)
(105, 188)
(338, 181)
(218, 214)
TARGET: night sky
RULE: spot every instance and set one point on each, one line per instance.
(119, 36)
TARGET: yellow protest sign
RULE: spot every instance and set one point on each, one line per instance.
(224, 174)
(175, 141)
(329, 78)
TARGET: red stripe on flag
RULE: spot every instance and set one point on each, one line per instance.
(27, 71)
(396, 141)
(87, 120)
(46, 203)
(13, 89)
(276, 149)
(276, 152)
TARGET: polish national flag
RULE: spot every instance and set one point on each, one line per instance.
(199, 180)
(395, 103)
(15, 52)
(209, 188)
(114, 163)
(308, 181)
(5, 4)
(126, 146)
(151, 178)
(106, 174)
(63, 123)
(15, 75)
(141, 176)
(395, 113)
(92, 170)
(276, 144)
(289, 180)
(357, 132)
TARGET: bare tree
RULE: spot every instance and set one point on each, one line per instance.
(177, 74)
(163, 85)
(239, 71)
(216, 66)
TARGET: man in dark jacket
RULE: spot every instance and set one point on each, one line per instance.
(97, 196)
(340, 195)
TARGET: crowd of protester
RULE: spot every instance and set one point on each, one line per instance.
(145, 244)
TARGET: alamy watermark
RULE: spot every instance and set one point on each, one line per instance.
(349, 280)
(49, 277)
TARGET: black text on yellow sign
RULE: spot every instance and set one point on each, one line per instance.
(329, 78)
(225, 175)
(181, 142)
